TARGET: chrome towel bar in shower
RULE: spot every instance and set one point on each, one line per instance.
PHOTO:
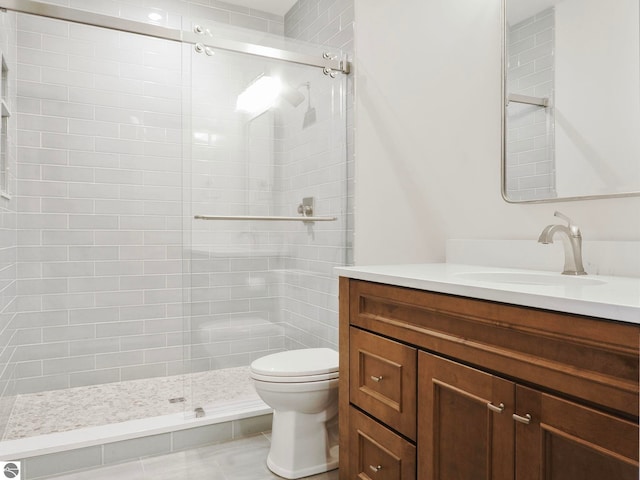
(538, 101)
(268, 218)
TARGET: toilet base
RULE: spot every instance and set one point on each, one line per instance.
(302, 444)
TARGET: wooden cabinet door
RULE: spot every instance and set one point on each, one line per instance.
(465, 425)
(567, 441)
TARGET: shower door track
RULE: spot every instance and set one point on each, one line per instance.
(326, 61)
(266, 217)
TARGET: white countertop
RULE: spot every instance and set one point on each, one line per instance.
(608, 297)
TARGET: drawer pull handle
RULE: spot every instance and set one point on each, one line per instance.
(376, 379)
(375, 469)
(526, 419)
(497, 409)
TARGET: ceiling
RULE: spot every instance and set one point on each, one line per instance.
(277, 7)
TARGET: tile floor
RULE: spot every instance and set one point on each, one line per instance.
(243, 459)
(110, 403)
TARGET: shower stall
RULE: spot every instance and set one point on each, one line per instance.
(174, 199)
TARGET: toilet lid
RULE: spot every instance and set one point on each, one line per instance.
(297, 363)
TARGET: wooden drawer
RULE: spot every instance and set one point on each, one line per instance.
(383, 380)
(583, 358)
(378, 453)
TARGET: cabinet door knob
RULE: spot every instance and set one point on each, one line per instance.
(376, 379)
(526, 419)
(494, 408)
(375, 469)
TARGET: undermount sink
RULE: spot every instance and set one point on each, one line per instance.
(533, 278)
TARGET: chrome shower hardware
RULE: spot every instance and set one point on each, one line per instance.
(330, 72)
(200, 48)
(306, 207)
(202, 31)
(74, 15)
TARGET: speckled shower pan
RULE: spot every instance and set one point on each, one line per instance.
(112, 403)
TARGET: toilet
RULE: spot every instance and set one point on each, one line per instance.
(302, 388)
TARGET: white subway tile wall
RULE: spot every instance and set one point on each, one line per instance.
(278, 277)
(8, 237)
(327, 23)
(93, 259)
(319, 163)
(529, 155)
(99, 258)
(174, 13)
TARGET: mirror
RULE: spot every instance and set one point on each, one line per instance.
(571, 112)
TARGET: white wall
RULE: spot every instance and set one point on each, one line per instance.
(428, 137)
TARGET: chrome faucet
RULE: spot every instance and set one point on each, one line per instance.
(572, 242)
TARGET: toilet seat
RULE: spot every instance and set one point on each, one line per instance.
(296, 387)
(300, 379)
(297, 366)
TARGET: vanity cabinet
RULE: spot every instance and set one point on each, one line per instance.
(480, 426)
(439, 387)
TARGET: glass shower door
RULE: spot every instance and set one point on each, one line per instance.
(97, 200)
(267, 147)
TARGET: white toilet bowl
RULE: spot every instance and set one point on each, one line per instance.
(302, 388)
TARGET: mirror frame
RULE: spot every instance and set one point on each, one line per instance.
(503, 130)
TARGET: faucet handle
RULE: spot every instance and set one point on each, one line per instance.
(573, 228)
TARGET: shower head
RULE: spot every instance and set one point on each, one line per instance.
(310, 114)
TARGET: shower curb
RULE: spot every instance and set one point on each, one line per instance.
(94, 447)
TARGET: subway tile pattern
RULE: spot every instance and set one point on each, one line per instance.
(95, 258)
(327, 23)
(180, 13)
(99, 276)
(160, 451)
(530, 137)
(8, 237)
(311, 288)
(241, 300)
